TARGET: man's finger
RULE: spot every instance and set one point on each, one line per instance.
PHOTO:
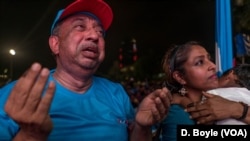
(165, 97)
(37, 90)
(22, 88)
(45, 103)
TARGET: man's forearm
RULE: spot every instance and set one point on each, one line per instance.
(141, 133)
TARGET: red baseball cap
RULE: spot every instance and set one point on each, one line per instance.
(98, 9)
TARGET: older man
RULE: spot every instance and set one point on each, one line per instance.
(70, 102)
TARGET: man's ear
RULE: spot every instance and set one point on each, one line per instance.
(230, 76)
(54, 44)
(179, 77)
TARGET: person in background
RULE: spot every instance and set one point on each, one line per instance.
(234, 86)
(70, 102)
(237, 76)
(189, 71)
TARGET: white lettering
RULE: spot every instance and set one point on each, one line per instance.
(184, 132)
(226, 131)
(206, 134)
(240, 133)
(233, 132)
(195, 132)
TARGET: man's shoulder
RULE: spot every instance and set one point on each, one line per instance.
(106, 81)
(9, 85)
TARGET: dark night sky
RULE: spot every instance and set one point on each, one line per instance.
(155, 24)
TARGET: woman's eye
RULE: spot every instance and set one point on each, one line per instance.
(211, 59)
(200, 62)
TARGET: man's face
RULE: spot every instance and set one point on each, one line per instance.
(81, 42)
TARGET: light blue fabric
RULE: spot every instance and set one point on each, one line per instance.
(176, 116)
(223, 35)
(100, 114)
(240, 45)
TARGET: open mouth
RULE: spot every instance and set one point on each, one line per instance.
(90, 52)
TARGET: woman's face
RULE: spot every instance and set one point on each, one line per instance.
(200, 71)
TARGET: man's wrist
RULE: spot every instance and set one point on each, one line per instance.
(142, 128)
(141, 133)
(23, 136)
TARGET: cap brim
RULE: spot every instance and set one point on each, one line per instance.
(97, 7)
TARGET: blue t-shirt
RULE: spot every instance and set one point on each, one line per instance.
(101, 113)
(176, 116)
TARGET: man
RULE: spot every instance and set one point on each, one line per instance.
(69, 102)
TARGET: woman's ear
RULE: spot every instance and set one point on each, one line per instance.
(54, 44)
(179, 77)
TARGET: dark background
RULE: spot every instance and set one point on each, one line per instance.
(155, 24)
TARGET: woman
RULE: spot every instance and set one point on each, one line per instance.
(189, 71)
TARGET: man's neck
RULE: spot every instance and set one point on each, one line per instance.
(76, 83)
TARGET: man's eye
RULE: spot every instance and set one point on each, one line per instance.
(101, 32)
(80, 27)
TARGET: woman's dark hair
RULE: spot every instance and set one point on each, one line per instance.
(173, 60)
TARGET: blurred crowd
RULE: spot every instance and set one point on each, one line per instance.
(137, 89)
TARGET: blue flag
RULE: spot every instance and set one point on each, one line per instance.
(223, 36)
